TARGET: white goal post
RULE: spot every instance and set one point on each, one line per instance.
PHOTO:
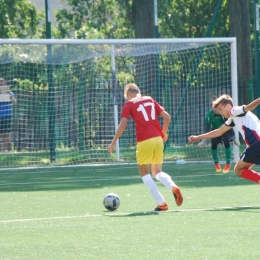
(70, 92)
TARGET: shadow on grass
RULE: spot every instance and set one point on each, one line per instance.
(255, 209)
(239, 208)
(134, 214)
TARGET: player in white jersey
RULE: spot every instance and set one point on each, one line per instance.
(248, 125)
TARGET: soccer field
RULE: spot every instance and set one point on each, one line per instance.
(57, 213)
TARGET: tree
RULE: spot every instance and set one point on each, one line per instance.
(240, 28)
(19, 19)
(135, 19)
(91, 19)
(143, 18)
(88, 19)
(189, 19)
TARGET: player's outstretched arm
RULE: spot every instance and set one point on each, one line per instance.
(212, 134)
(119, 132)
(252, 105)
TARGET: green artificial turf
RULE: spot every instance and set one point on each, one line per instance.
(57, 213)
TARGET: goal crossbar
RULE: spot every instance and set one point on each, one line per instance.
(118, 41)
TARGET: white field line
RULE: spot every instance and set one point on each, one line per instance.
(96, 180)
(131, 213)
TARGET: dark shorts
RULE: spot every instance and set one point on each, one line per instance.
(226, 137)
(5, 125)
(251, 154)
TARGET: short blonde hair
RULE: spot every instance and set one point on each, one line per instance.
(132, 88)
(223, 100)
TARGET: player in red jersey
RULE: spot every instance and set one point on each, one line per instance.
(150, 137)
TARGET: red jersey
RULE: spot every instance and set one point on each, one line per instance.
(144, 111)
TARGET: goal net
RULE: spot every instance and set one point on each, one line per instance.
(70, 93)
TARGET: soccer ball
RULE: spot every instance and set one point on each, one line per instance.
(111, 201)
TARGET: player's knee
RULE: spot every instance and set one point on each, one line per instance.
(238, 171)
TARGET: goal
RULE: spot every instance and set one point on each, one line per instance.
(70, 93)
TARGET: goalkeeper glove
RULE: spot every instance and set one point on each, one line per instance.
(236, 142)
(202, 143)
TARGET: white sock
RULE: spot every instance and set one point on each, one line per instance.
(165, 179)
(152, 188)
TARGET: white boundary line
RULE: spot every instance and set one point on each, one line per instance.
(128, 214)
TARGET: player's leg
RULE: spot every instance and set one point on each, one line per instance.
(167, 181)
(248, 158)
(228, 150)
(163, 177)
(6, 142)
(6, 131)
(243, 170)
(2, 131)
(214, 153)
(144, 154)
(2, 144)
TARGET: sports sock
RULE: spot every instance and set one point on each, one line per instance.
(152, 188)
(215, 155)
(228, 152)
(165, 179)
(250, 175)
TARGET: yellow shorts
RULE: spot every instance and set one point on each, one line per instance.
(150, 151)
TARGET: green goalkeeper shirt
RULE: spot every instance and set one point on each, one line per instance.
(213, 120)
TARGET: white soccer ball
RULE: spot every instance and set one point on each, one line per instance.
(111, 201)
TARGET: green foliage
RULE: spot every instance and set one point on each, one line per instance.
(188, 19)
(89, 19)
(115, 19)
(19, 19)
